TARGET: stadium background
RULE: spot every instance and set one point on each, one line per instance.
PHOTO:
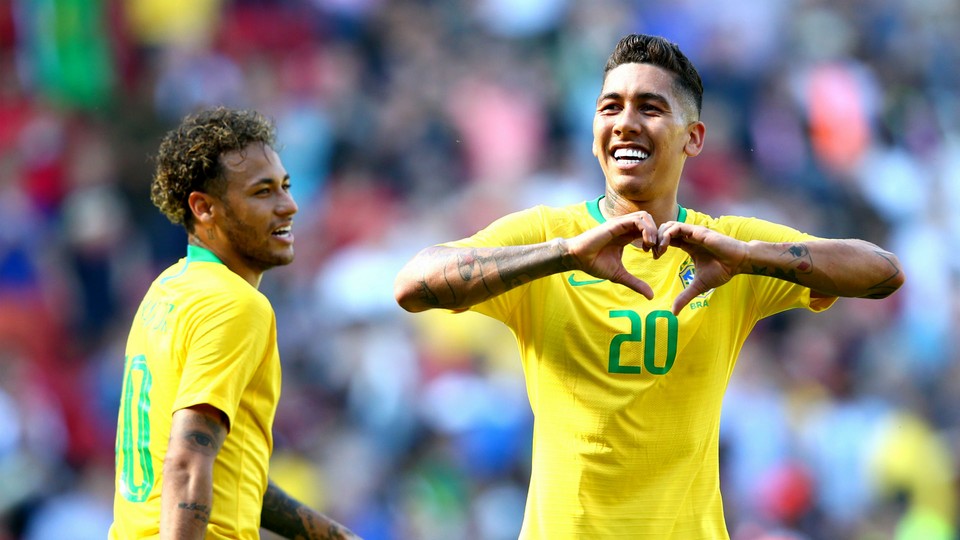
(408, 122)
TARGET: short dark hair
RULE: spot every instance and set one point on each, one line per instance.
(658, 51)
(189, 157)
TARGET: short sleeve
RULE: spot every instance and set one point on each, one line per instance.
(229, 341)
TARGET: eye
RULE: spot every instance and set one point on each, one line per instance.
(609, 107)
(650, 108)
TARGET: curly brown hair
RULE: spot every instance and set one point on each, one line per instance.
(188, 159)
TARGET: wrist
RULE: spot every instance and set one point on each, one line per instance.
(566, 260)
(751, 263)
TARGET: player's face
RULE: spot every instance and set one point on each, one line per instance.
(643, 132)
(258, 208)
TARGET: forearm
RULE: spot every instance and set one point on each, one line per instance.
(196, 436)
(186, 501)
(851, 268)
(457, 278)
(290, 518)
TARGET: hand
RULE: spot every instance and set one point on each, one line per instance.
(716, 257)
(599, 251)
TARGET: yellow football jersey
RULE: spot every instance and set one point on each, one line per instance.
(202, 335)
(626, 396)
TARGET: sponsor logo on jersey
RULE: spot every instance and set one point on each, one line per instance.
(580, 283)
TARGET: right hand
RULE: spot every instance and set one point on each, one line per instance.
(599, 251)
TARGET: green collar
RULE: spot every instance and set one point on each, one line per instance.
(201, 254)
(593, 207)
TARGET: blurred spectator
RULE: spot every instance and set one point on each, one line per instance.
(402, 121)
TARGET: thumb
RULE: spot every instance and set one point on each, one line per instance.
(636, 284)
(687, 295)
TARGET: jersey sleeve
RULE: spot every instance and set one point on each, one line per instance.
(517, 229)
(225, 348)
(773, 295)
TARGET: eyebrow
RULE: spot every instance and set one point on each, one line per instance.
(642, 96)
(267, 180)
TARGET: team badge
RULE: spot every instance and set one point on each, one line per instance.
(686, 274)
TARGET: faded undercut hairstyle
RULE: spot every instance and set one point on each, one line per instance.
(189, 157)
(657, 51)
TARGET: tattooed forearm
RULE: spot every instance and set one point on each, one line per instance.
(799, 261)
(843, 267)
(889, 284)
(289, 518)
(457, 278)
(779, 273)
(426, 294)
(201, 512)
(800, 258)
(471, 263)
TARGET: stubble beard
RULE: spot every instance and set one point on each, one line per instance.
(248, 243)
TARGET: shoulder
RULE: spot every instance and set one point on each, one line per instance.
(746, 227)
(215, 288)
(531, 225)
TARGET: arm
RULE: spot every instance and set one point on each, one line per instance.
(851, 268)
(291, 519)
(457, 278)
(196, 436)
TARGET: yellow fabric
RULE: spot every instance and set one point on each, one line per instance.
(202, 335)
(626, 397)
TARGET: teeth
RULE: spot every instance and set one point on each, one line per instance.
(282, 230)
(630, 153)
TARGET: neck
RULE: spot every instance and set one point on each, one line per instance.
(662, 210)
(230, 261)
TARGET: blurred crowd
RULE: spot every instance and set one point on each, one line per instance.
(409, 122)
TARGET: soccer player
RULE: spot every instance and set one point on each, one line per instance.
(629, 311)
(202, 371)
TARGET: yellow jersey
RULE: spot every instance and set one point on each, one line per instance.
(626, 396)
(202, 335)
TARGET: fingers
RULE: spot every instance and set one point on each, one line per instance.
(685, 297)
(640, 227)
(649, 230)
(636, 284)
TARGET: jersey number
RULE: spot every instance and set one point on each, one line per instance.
(133, 441)
(638, 330)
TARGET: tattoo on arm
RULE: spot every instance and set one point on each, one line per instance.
(800, 262)
(204, 434)
(201, 512)
(473, 262)
(884, 289)
(467, 276)
(427, 294)
(291, 519)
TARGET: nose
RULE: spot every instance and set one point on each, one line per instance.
(626, 122)
(287, 206)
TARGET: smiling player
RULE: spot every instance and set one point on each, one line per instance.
(202, 371)
(630, 311)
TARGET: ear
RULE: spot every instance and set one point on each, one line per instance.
(201, 204)
(696, 131)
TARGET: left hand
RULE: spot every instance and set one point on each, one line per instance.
(716, 257)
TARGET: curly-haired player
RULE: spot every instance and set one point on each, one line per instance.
(202, 370)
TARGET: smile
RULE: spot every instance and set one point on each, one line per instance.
(628, 156)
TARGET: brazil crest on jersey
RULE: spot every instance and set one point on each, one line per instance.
(626, 396)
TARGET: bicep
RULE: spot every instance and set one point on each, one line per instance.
(197, 433)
